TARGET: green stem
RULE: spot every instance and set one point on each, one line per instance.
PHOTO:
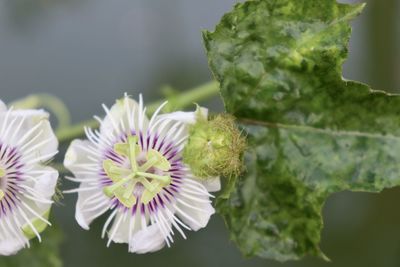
(49, 102)
(59, 167)
(177, 102)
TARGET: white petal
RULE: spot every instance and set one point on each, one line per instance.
(10, 245)
(174, 126)
(11, 240)
(122, 233)
(45, 186)
(3, 107)
(78, 155)
(185, 117)
(195, 214)
(42, 135)
(149, 239)
(90, 205)
(212, 184)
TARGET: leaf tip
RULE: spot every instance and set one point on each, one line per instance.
(324, 257)
(359, 8)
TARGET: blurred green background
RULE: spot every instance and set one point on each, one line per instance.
(89, 52)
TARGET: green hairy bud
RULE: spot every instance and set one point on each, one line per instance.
(215, 147)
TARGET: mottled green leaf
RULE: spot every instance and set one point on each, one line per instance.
(44, 254)
(310, 132)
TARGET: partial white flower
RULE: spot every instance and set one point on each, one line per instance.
(27, 141)
(133, 168)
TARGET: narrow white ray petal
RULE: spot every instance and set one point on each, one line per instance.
(200, 200)
(5, 121)
(44, 201)
(103, 232)
(166, 223)
(82, 180)
(194, 191)
(15, 232)
(198, 189)
(128, 113)
(40, 217)
(22, 213)
(195, 183)
(76, 190)
(42, 158)
(29, 177)
(5, 231)
(37, 146)
(164, 231)
(190, 206)
(132, 220)
(112, 119)
(9, 127)
(93, 174)
(114, 231)
(100, 212)
(155, 114)
(87, 166)
(90, 150)
(32, 140)
(122, 124)
(94, 207)
(29, 133)
(17, 223)
(184, 214)
(18, 128)
(177, 227)
(96, 197)
(91, 136)
(29, 190)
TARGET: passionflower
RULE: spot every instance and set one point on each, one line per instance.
(132, 168)
(26, 184)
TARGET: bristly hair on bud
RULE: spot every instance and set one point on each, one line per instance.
(215, 147)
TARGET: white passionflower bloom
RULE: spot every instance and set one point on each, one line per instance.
(26, 184)
(133, 167)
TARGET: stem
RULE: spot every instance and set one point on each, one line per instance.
(59, 167)
(52, 103)
(177, 102)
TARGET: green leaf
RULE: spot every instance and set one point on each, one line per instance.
(44, 254)
(310, 132)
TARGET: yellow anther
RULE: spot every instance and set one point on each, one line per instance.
(161, 162)
(109, 190)
(2, 173)
(128, 200)
(2, 194)
(148, 195)
(113, 171)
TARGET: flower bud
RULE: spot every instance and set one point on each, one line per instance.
(214, 147)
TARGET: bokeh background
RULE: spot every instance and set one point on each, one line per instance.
(89, 52)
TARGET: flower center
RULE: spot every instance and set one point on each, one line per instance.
(150, 174)
(2, 175)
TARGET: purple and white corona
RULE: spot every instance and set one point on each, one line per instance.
(132, 167)
(27, 141)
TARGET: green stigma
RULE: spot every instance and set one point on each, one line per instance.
(215, 147)
(125, 180)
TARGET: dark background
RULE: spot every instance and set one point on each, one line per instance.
(89, 52)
